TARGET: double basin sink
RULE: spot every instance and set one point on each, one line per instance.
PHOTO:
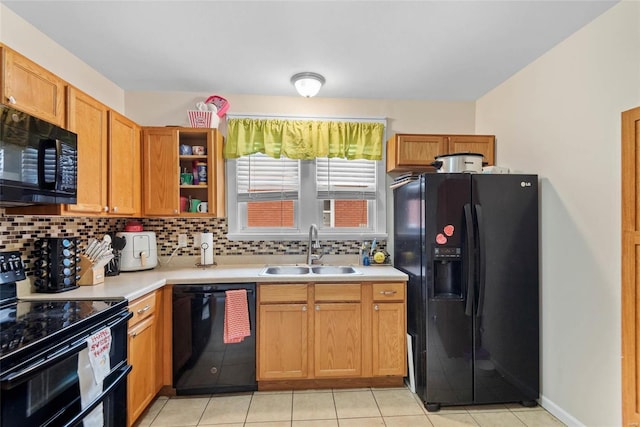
(301, 270)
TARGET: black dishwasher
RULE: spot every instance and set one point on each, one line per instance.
(202, 362)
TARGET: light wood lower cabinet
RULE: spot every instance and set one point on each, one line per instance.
(326, 331)
(337, 340)
(283, 338)
(142, 350)
(388, 328)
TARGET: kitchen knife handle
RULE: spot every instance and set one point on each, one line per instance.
(470, 256)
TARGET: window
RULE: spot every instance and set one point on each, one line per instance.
(278, 199)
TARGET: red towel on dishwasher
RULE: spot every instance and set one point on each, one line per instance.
(236, 316)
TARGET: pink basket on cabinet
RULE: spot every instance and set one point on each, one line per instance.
(221, 104)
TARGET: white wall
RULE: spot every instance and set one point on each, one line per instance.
(560, 117)
(170, 108)
(24, 38)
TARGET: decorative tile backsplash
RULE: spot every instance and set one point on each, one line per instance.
(20, 232)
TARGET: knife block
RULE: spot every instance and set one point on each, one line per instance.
(89, 276)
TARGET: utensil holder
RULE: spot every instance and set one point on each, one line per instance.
(89, 275)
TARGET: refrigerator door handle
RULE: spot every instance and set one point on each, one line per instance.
(470, 257)
(482, 260)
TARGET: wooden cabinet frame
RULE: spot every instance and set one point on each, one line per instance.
(416, 152)
(631, 267)
(366, 321)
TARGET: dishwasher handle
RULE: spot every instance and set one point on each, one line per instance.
(207, 292)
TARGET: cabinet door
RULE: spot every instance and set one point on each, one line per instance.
(124, 165)
(282, 341)
(88, 119)
(161, 174)
(419, 150)
(31, 88)
(481, 144)
(141, 382)
(389, 339)
(337, 340)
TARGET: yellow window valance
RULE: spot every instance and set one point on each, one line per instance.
(304, 139)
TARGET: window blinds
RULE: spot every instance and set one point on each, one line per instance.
(345, 179)
(261, 178)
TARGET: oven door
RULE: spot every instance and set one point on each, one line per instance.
(46, 391)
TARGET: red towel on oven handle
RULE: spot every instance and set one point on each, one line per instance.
(236, 316)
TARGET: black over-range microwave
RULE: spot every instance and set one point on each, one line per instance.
(38, 161)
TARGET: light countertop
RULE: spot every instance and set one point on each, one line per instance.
(131, 285)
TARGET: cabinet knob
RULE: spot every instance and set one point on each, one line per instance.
(175, 211)
(106, 208)
(317, 308)
(12, 100)
(115, 209)
(376, 307)
(304, 308)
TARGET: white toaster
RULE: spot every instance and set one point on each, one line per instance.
(140, 251)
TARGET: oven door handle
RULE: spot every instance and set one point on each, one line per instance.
(78, 418)
(15, 378)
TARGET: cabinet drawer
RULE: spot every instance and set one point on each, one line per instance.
(294, 292)
(388, 291)
(142, 308)
(337, 292)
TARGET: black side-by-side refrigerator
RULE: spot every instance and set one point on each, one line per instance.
(469, 243)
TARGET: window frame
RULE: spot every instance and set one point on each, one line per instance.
(308, 208)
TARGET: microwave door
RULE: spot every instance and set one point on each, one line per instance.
(48, 152)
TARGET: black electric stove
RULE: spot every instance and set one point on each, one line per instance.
(42, 348)
(26, 327)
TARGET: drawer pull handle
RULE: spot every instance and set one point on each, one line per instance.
(388, 293)
(376, 307)
(146, 308)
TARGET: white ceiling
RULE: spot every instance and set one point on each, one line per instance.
(435, 50)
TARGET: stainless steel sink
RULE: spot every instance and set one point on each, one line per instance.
(331, 269)
(300, 270)
(287, 270)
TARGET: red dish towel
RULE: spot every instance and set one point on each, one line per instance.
(236, 316)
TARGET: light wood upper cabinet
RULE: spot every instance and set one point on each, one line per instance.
(124, 166)
(88, 118)
(31, 88)
(162, 165)
(481, 144)
(161, 173)
(416, 152)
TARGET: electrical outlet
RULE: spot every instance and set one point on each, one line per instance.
(183, 241)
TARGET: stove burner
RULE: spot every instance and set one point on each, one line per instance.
(27, 322)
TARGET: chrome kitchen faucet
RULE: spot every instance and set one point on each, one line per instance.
(313, 235)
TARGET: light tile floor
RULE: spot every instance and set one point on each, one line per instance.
(392, 407)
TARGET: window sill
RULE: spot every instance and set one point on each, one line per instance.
(303, 236)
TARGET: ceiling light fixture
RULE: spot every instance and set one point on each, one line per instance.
(307, 84)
